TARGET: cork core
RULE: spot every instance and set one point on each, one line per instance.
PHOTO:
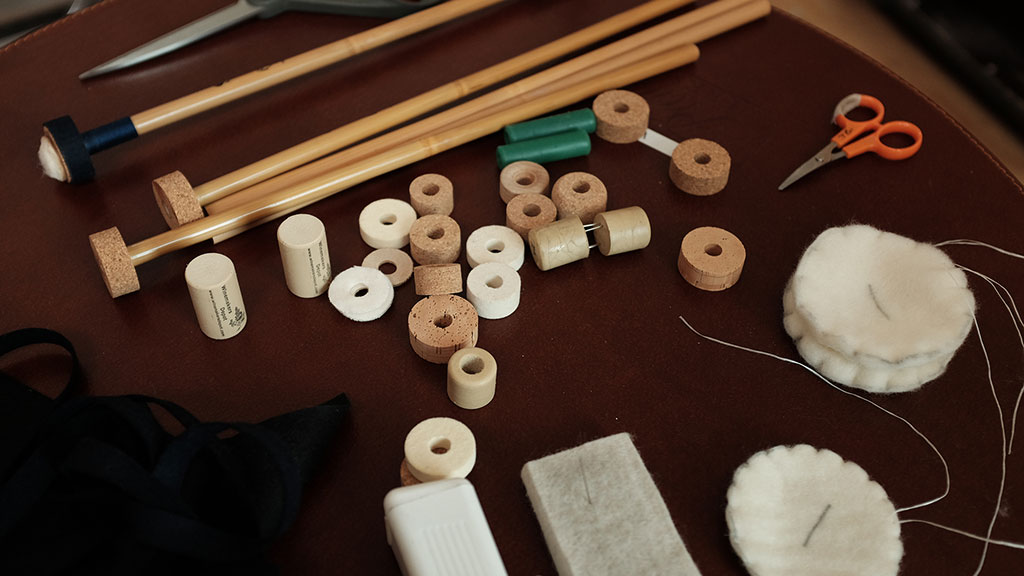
(700, 167)
(711, 258)
(622, 116)
(177, 201)
(579, 194)
(432, 279)
(115, 263)
(523, 177)
(528, 211)
(441, 325)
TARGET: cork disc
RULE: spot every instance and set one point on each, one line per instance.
(431, 279)
(711, 258)
(441, 325)
(435, 239)
(622, 116)
(528, 211)
(432, 194)
(177, 201)
(579, 194)
(700, 167)
(115, 263)
(523, 177)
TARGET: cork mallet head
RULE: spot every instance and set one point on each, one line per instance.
(63, 153)
(177, 200)
(115, 263)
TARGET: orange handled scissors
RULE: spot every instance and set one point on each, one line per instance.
(845, 141)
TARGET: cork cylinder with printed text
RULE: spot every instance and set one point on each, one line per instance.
(216, 297)
(307, 264)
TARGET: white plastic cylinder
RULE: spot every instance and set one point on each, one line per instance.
(302, 240)
(216, 297)
(493, 289)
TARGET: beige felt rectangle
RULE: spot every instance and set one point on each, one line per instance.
(601, 513)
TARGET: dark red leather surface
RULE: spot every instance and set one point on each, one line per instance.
(595, 348)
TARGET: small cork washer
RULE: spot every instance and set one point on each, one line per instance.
(216, 297)
(622, 230)
(559, 243)
(711, 258)
(523, 177)
(432, 194)
(472, 377)
(529, 211)
(700, 167)
(579, 194)
(495, 244)
(439, 326)
(383, 258)
(361, 294)
(177, 200)
(302, 240)
(111, 254)
(431, 279)
(439, 448)
(385, 223)
(435, 239)
(494, 290)
(622, 116)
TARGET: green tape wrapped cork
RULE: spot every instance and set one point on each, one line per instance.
(569, 144)
(582, 119)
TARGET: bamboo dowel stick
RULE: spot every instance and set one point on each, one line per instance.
(65, 152)
(119, 261)
(697, 25)
(417, 106)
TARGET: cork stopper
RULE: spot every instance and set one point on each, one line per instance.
(528, 211)
(711, 258)
(431, 279)
(177, 201)
(441, 325)
(579, 194)
(435, 239)
(622, 116)
(115, 263)
(700, 167)
(523, 177)
(432, 194)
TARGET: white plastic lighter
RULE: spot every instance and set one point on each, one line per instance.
(439, 529)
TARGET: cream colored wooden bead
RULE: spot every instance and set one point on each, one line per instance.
(579, 194)
(441, 325)
(435, 239)
(711, 258)
(302, 241)
(528, 211)
(439, 448)
(495, 244)
(622, 230)
(216, 297)
(622, 116)
(472, 376)
(494, 289)
(523, 177)
(432, 194)
(385, 223)
(559, 243)
(431, 279)
(361, 294)
(700, 167)
(402, 262)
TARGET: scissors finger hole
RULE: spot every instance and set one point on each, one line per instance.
(897, 140)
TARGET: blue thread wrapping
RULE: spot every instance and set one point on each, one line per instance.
(109, 135)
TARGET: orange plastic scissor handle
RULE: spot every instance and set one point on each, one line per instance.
(873, 142)
(853, 128)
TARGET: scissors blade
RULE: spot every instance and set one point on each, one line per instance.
(187, 34)
(824, 156)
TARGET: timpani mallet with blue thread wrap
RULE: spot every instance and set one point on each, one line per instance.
(66, 154)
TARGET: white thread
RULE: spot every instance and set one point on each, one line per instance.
(945, 466)
(963, 533)
(967, 242)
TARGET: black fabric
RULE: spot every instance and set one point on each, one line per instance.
(98, 484)
(72, 149)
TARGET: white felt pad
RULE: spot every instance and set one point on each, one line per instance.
(800, 511)
(876, 310)
(602, 514)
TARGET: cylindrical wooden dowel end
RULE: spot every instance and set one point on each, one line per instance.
(115, 263)
(177, 200)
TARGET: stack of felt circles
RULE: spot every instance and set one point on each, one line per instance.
(877, 311)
